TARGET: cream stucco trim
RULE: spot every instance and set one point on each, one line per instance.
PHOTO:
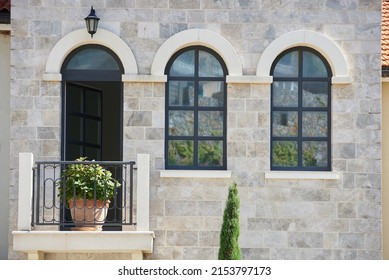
(144, 78)
(205, 174)
(309, 175)
(5, 27)
(79, 38)
(341, 80)
(249, 80)
(202, 37)
(385, 167)
(311, 39)
(36, 243)
(52, 77)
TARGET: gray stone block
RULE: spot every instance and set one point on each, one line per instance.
(305, 239)
(182, 238)
(351, 240)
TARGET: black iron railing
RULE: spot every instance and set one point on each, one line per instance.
(51, 204)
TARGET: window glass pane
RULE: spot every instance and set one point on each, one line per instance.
(314, 124)
(181, 123)
(209, 66)
(315, 94)
(5, 14)
(210, 123)
(287, 66)
(92, 131)
(92, 153)
(181, 93)
(285, 153)
(73, 151)
(210, 153)
(92, 59)
(211, 94)
(313, 66)
(183, 65)
(180, 153)
(285, 123)
(315, 153)
(285, 94)
(93, 103)
(74, 102)
(74, 128)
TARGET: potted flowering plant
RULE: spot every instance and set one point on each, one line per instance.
(87, 188)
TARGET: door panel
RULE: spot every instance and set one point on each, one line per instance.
(83, 122)
(93, 127)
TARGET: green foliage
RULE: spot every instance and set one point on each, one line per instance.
(229, 235)
(321, 101)
(309, 156)
(211, 154)
(87, 180)
(180, 152)
(285, 154)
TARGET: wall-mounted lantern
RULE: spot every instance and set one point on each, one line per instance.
(91, 22)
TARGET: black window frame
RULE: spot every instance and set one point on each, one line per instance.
(300, 109)
(196, 109)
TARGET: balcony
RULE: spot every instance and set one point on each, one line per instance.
(45, 223)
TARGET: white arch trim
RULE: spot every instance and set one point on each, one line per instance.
(311, 39)
(79, 38)
(202, 37)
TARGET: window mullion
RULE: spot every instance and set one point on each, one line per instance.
(83, 122)
(196, 110)
(300, 110)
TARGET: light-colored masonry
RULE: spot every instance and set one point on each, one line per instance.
(283, 216)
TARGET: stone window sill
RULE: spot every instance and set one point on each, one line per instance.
(5, 27)
(308, 175)
(207, 174)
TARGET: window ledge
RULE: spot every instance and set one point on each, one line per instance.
(195, 174)
(5, 27)
(310, 175)
(144, 78)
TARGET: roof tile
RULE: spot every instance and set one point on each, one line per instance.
(5, 4)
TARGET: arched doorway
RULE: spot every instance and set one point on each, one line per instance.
(92, 99)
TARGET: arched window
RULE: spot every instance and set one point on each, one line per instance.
(301, 111)
(195, 110)
(92, 63)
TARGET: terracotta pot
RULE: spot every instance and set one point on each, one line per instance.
(88, 215)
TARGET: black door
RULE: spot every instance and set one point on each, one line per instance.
(93, 129)
(83, 122)
(92, 109)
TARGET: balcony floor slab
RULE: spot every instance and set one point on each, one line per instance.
(36, 243)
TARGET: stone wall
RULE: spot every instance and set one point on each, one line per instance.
(280, 218)
(5, 53)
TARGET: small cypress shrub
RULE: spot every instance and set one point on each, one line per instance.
(229, 235)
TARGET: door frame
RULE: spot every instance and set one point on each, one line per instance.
(85, 77)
